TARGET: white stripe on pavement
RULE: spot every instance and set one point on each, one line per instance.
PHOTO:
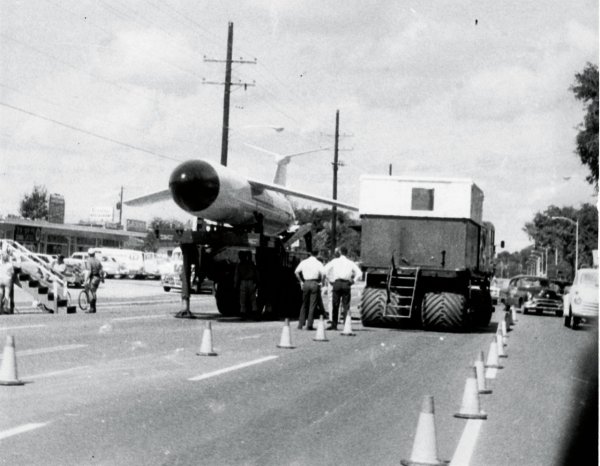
(51, 374)
(466, 445)
(22, 326)
(232, 368)
(155, 316)
(250, 337)
(21, 429)
(52, 349)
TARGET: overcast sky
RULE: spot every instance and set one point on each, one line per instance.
(476, 89)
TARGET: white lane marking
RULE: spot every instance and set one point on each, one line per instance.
(156, 316)
(22, 326)
(232, 368)
(52, 349)
(248, 337)
(491, 372)
(21, 429)
(51, 374)
(466, 445)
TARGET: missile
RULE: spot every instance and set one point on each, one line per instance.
(214, 192)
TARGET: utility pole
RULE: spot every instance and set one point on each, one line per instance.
(390, 170)
(227, 93)
(335, 172)
(121, 208)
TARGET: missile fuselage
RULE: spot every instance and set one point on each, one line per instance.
(214, 192)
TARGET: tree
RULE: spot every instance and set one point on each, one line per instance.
(559, 235)
(34, 206)
(586, 90)
(346, 233)
(162, 227)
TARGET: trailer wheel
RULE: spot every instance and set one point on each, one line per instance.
(372, 305)
(444, 311)
(227, 298)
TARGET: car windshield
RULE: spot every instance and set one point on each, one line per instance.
(533, 282)
(589, 278)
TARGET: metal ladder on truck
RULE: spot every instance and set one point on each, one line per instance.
(45, 286)
(401, 286)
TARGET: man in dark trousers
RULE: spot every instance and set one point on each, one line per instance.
(341, 272)
(310, 273)
(245, 280)
(93, 271)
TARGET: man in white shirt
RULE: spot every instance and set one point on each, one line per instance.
(341, 272)
(310, 273)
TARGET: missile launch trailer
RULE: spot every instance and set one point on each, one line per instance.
(426, 252)
(213, 251)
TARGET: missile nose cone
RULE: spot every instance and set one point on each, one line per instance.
(194, 185)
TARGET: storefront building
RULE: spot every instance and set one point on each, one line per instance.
(52, 238)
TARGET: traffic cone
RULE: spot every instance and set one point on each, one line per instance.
(8, 371)
(347, 332)
(286, 337)
(206, 347)
(500, 346)
(504, 331)
(481, 380)
(513, 314)
(470, 408)
(320, 336)
(424, 451)
(492, 359)
(508, 316)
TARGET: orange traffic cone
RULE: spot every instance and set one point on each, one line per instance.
(492, 359)
(347, 332)
(320, 336)
(470, 408)
(8, 371)
(481, 380)
(206, 347)
(286, 337)
(500, 346)
(424, 451)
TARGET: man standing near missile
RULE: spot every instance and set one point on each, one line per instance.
(341, 272)
(310, 272)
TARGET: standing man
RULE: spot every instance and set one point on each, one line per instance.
(245, 280)
(93, 277)
(310, 272)
(341, 272)
(7, 272)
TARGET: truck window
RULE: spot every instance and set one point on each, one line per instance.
(422, 199)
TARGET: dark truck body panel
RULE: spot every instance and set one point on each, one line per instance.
(428, 243)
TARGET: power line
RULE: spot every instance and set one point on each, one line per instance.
(89, 133)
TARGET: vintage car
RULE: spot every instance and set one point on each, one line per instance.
(581, 302)
(172, 281)
(534, 294)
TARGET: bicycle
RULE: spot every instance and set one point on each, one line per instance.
(84, 298)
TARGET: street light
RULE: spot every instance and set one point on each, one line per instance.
(576, 223)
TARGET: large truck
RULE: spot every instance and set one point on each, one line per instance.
(426, 252)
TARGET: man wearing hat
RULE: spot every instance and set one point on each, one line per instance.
(93, 277)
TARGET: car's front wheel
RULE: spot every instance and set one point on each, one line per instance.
(167, 288)
(567, 320)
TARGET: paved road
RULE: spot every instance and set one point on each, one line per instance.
(125, 386)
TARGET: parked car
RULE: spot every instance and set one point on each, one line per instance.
(497, 286)
(534, 294)
(112, 268)
(581, 302)
(172, 281)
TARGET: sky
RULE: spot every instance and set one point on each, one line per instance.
(95, 95)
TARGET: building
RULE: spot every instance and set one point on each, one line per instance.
(52, 238)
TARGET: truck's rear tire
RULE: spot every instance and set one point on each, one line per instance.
(444, 311)
(372, 306)
(481, 306)
(227, 299)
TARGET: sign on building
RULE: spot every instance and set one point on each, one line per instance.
(136, 225)
(101, 215)
(56, 208)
